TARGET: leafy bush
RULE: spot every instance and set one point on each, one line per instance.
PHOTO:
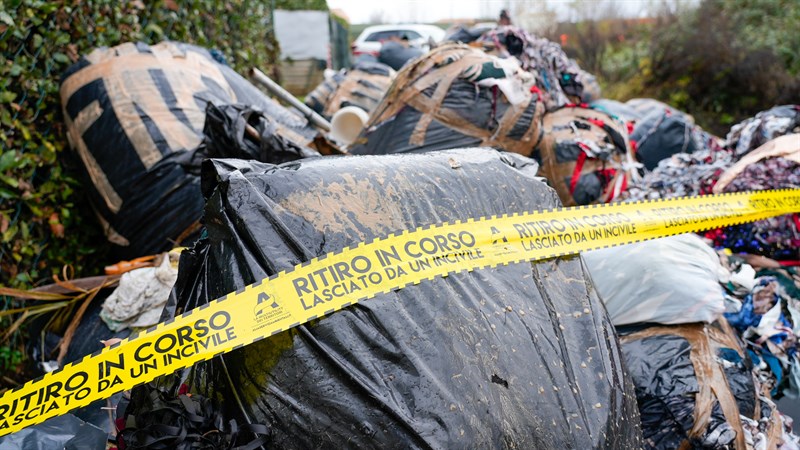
(717, 62)
(44, 221)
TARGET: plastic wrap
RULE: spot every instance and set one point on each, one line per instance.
(671, 280)
(693, 385)
(455, 96)
(130, 112)
(520, 356)
(659, 135)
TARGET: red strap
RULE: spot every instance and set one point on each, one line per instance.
(597, 122)
(535, 90)
(576, 173)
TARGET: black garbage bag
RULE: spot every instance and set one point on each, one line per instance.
(660, 135)
(452, 97)
(130, 111)
(693, 382)
(519, 356)
(466, 35)
(227, 136)
(396, 55)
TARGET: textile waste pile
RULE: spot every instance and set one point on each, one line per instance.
(206, 185)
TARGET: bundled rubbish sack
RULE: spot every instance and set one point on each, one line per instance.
(659, 135)
(518, 356)
(672, 280)
(455, 96)
(774, 165)
(397, 54)
(585, 155)
(765, 126)
(695, 389)
(130, 111)
(362, 86)
(558, 77)
(319, 98)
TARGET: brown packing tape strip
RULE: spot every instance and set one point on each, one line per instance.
(419, 75)
(555, 128)
(353, 83)
(430, 78)
(129, 86)
(75, 131)
(711, 379)
(442, 88)
(292, 135)
(112, 235)
(775, 430)
(525, 145)
(142, 62)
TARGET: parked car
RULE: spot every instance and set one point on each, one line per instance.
(370, 40)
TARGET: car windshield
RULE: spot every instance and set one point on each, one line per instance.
(380, 36)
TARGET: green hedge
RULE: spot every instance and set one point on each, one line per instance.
(45, 222)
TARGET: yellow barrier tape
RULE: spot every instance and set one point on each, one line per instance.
(337, 280)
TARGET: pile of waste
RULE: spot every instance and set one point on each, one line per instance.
(558, 77)
(205, 185)
(760, 153)
(755, 312)
(688, 331)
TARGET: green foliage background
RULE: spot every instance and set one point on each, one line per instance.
(722, 60)
(44, 220)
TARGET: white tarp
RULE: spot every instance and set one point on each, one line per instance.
(302, 34)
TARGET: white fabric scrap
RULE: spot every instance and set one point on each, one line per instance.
(140, 297)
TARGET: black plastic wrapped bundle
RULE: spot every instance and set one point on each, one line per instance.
(519, 356)
(134, 112)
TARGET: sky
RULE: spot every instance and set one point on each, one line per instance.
(424, 11)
